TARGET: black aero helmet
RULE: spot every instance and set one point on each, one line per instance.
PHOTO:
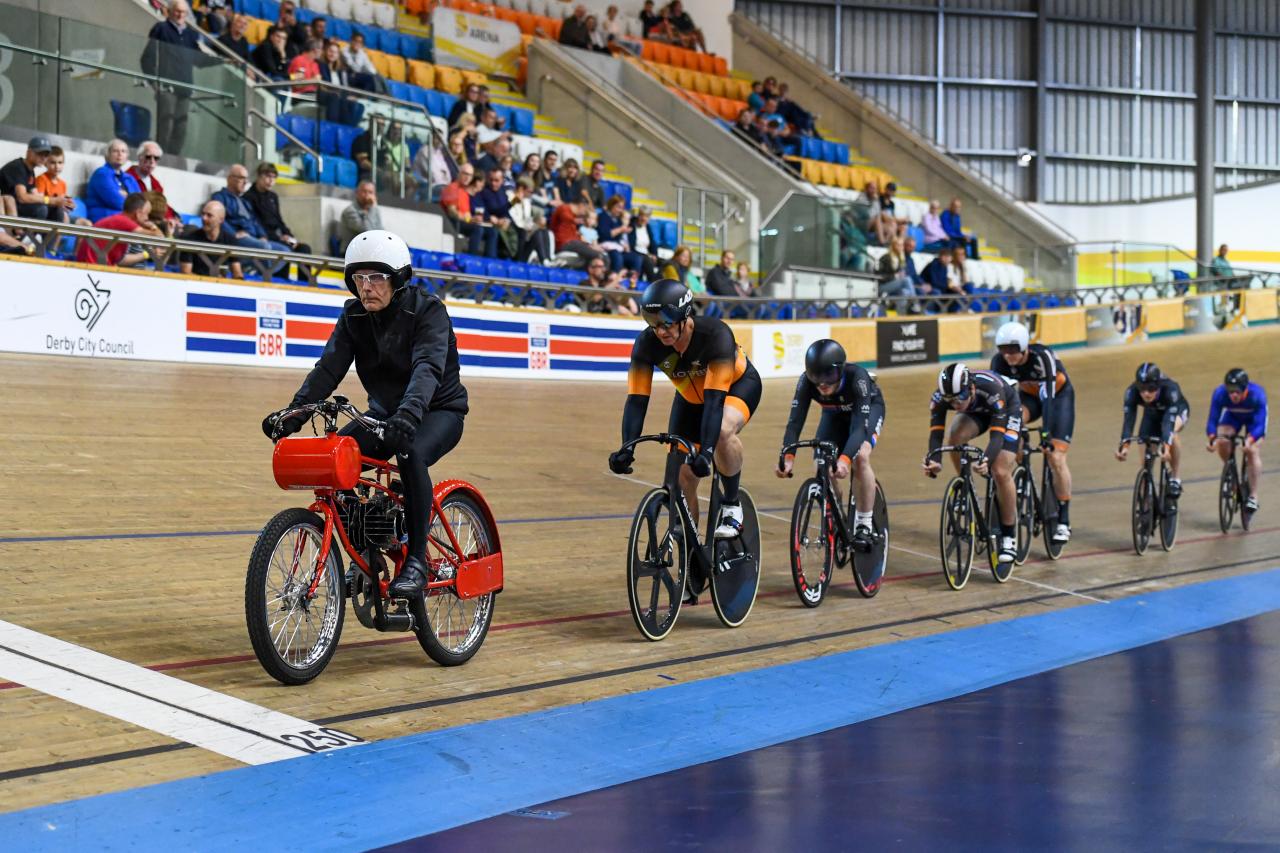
(1148, 373)
(954, 380)
(1236, 378)
(666, 301)
(824, 362)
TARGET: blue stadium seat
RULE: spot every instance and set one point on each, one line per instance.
(270, 10)
(419, 95)
(842, 152)
(414, 145)
(396, 89)
(329, 137)
(346, 138)
(536, 272)
(252, 8)
(339, 28)
(132, 122)
(284, 120)
(434, 103)
(310, 169)
(346, 173)
(1051, 302)
(471, 264)
(304, 15)
(79, 210)
(368, 31)
(497, 269)
(446, 103)
(415, 47)
(388, 40)
(1033, 304)
(307, 130)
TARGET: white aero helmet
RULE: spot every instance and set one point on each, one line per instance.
(381, 251)
(1013, 333)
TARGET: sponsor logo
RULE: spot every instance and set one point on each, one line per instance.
(91, 303)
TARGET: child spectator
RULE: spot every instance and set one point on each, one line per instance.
(51, 184)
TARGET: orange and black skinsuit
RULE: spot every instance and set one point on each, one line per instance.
(1045, 390)
(711, 373)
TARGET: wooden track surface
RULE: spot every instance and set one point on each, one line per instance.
(96, 448)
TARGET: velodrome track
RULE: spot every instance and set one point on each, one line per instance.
(134, 492)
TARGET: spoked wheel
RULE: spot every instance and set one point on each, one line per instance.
(956, 533)
(869, 566)
(1169, 513)
(1144, 511)
(812, 543)
(451, 629)
(735, 574)
(1024, 489)
(1000, 571)
(294, 631)
(1228, 495)
(1049, 514)
(1245, 515)
(657, 561)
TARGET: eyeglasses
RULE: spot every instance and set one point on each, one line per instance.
(149, 157)
(374, 278)
(1149, 388)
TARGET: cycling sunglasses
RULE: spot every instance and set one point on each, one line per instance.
(658, 324)
(827, 377)
(1009, 349)
(1149, 388)
(962, 396)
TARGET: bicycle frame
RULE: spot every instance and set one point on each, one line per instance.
(827, 454)
(968, 455)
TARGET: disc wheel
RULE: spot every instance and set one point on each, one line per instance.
(1143, 514)
(657, 562)
(1049, 514)
(452, 629)
(1228, 495)
(735, 573)
(294, 632)
(1169, 513)
(812, 543)
(869, 566)
(956, 533)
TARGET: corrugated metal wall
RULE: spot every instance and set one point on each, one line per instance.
(1119, 79)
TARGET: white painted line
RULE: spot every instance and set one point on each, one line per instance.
(178, 709)
(702, 498)
(909, 551)
(1061, 591)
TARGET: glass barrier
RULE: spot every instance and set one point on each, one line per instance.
(819, 233)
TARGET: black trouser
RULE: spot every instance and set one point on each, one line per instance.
(49, 212)
(171, 119)
(438, 433)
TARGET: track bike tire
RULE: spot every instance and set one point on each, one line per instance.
(1026, 510)
(307, 531)
(735, 570)
(1168, 520)
(1228, 495)
(1246, 517)
(1142, 516)
(662, 558)
(992, 515)
(956, 534)
(812, 521)
(869, 568)
(1049, 514)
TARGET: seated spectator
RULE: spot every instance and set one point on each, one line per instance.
(743, 282)
(935, 236)
(239, 219)
(573, 32)
(296, 32)
(589, 228)
(643, 241)
(615, 230)
(591, 187)
(597, 39)
(51, 186)
(485, 104)
(546, 192)
(456, 201)
(209, 230)
(362, 148)
(530, 166)
(769, 88)
(612, 26)
(10, 245)
(494, 151)
(793, 113)
(770, 112)
(360, 216)
(163, 217)
(720, 277)
(507, 165)
(937, 274)
(853, 241)
(530, 223)
(601, 277)
(266, 207)
(571, 185)
(216, 16)
(110, 184)
(338, 107)
(745, 127)
(318, 30)
(755, 101)
(685, 30)
(894, 280)
(680, 267)
(492, 207)
(952, 224)
(468, 103)
(135, 217)
(433, 169)
(364, 74)
(489, 120)
(306, 66)
(959, 272)
(233, 39)
(144, 170)
(909, 266)
(18, 181)
(271, 57)
(566, 229)
(649, 19)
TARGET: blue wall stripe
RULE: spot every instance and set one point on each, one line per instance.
(303, 350)
(222, 303)
(519, 362)
(241, 347)
(490, 325)
(310, 309)
(589, 332)
(496, 766)
(582, 364)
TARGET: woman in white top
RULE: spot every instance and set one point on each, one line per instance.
(530, 223)
(612, 24)
(596, 36)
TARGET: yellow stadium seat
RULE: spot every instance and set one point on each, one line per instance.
(422, 74)
(379, 60)
(809, 171)
(257, 30)
(828, 173)
(473, 78)
(715, 85)
(684, 79)
(448, 79)
(396, 69)
(844, 177)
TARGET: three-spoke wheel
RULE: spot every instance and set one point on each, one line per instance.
(1168, 512)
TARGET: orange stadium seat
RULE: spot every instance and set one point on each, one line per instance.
(721, 67)
(661, 52)
(422, 74)
(647, 50)
(706, 63)
(257, 30)
(526, 22)
(502, 13)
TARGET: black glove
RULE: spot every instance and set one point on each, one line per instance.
(620, 462)
(275, 430)
(400, 431)
(701, 464)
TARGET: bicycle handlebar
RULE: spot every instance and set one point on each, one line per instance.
(329, 410)
(964, 450)
(1134, 439)
(825, 449)
(663, 438)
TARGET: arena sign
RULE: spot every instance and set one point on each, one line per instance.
(472, 41)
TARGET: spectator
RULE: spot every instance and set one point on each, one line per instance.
(755, 101)
(596, 38)
(507, 164)
(296, 32)
(173, 50)
(433, 169)
(909, 266)
(271, 57)
(306, 66)
(612, 26)
(456, 201)
(770, 111)
(338, 107)
(531, 165)
(955, 229)
(935, 236)
(688, 33)
(680, 267)
(615, 238)
(364, 74)
(643, 241)
(468, 103)
(937, 273)
(960, 273)
(793, 113)
(468, 127)
(853, 241)
(10, 245)
(769, 88)
(589, 228)
(234, 40)
(136, 216)
(768, 135)
(318, 30)
(363, 146)
(573, 32)
(492, 207)
(266, 207)
(742, 281)
(494, 152)
(489, 120)
(530, 223)
(393, 160)
(745, 127)
(216, 16)
(484, 104)
(570, 185)
(591, 188)
(163, 217)
(110, 184)
(894, 280)
(545, 181)
(209, 230)
(361, 215)
(50, 185)
(1221, 267)
(601, 277)
(18, 181)
(457, 151)
(239, 218)
(565, 228)
(720, 277)
(648, 19)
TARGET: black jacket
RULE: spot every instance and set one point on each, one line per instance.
(267, 206)
(172, 54)
(406, 356)
(720, 282)
(270, 63)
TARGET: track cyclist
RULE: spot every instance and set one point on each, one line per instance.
(717, 390)
(1047, 396)
(406, 355)
(852, 415)
(1239, 406)
(983, 402)
(1165, 413)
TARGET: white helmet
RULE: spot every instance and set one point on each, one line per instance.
(953, 380)
(379, 250)
(1013, 333)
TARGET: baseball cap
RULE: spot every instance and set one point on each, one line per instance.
(40, 143)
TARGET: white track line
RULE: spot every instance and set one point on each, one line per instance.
(178, 709)
(1061, 591)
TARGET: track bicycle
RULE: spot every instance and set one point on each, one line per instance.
(295, 587)
(1152, 506)
(667, 561)
(1233, 488)
(968, 526)
(1037, 507)
(822, 531)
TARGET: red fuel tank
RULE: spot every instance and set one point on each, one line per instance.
(325, 462)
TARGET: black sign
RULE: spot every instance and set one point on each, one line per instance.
(914, 342)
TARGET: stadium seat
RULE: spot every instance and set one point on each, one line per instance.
(448, 79)
(396, 89)
(339, 29)
(345, 172)
(387, 41)
(522, 121)
(252, 8)
(270, 10)
(346, 138)
(329, 137)
(307, 130)
(421, 73)
(379, 60)
(384, 15)
(362, 11)
(340, 9)
(132, 122)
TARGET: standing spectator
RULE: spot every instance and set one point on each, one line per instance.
(361, 215)
(686, 31)
(238, 215)
(266, 207)
(570, 185)
(720, 277)
(955, 229)
(18, 181)
(468, 103)
(50, 185)
(935, 236)
(680, 267)
(306, 66)
(530, 222)
(1221, 267)
(173, 49)
(135, 217)
(565, 228)
(492, 207)
(573, 32)
(209, 230)
(233, 39)
(364, 74)
(271, 57)
(591, 187)
(110, 183)
(456, 201)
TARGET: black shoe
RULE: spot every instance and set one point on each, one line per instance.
(1174, 490)
(862, 539)
(411, 580)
